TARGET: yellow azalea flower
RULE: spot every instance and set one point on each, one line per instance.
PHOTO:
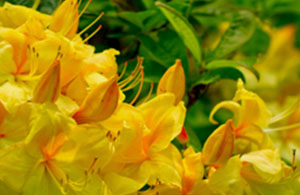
(226, 179)
(164, 121)
(192, 170)
(54, 156)
(33, 29)
(264, 166)
(250, 117)
(14, 126)
(265, 173)
(149, 149)
(35, 159)
(17, 50)
(14, 93)
(103, 63)
(188, 171)
(173, 81)
(13, 16)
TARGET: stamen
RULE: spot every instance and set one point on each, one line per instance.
(149, 93)
(140, 88)
(79, 15)
(283, 128)
(91, 24)
(286, 112)
(123, 71)
(93, 33)
(133, 84)
(132, 74)
(92, 165)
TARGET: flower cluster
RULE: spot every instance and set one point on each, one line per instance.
(66, 129)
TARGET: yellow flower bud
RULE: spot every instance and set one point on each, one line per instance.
(219, 146)
(173, 81)
(65, 19)
(100, 103)
(48, 87)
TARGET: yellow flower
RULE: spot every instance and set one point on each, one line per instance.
(14, 126)
(148, 154)
(13, 16)
(265, 173)
(250, 117)
(189, 171)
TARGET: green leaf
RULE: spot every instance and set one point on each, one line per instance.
(183, 28)
(45, 6)
(214, 75)
(258, 43)
(239, 32)
(193, 140)
(197, 123)
(232, 64)
(145, 20)
(136, 18)
(164, 49)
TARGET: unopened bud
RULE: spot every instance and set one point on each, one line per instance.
(100, 103)
(219, 146)
(48, 88)
(173, 81)
(183, 136)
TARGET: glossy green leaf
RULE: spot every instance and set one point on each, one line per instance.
(239, 32)
(164, 49)
(183, 28)
(214, 75)
(233, 64)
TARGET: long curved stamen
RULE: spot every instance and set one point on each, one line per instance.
(132, 74)
(133, 83)
(149, 93)
(140, 88)
(123, 71)
(93, 33)
(79, 15)
(289, 111)
(91, 24)
(283, 128)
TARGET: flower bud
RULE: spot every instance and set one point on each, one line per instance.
(219, 146)
(48, 88)
(65, 18)
(100, 103)
(173, 81)
(183, 136)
